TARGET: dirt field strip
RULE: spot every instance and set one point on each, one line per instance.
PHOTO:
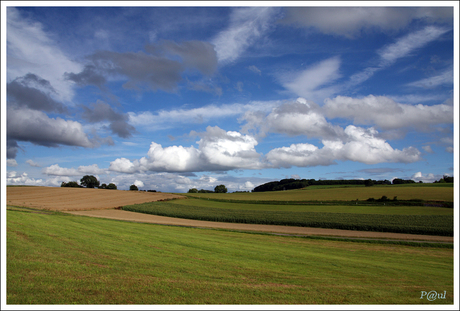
(74, 199)
(146, 218)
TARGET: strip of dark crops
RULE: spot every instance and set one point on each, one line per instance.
(414, 224)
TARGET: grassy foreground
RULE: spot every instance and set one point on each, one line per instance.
(54, 258)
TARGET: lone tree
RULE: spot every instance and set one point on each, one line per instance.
(220, 189)
(133, 187)
(89, 181)
(111, 186)
(193, 190)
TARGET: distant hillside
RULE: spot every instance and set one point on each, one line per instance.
(288, 184)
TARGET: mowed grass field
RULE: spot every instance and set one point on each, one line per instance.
(56, 258)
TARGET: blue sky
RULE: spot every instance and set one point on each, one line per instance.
(173, 98)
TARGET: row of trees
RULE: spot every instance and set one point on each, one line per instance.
(217, 189)
(89, 181)
(291, 183)
(445, 179)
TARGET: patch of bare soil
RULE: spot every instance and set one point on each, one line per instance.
(304, 231)
(76, 199)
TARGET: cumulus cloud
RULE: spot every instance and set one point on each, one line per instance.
(103, 112)
(313, 82)
(138, 183)
(351, 21)
(361, 145)
(14, 178)
(247, 25)
(300, 118)
(427, 178)
(217, 150)
(37, 128)
(386, 113)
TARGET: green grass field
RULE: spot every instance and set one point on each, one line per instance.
(53, 258)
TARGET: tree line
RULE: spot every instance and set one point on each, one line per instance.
(291, 183)
(90, 181)
(217, 189)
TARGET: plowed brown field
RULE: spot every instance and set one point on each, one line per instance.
(76, 199)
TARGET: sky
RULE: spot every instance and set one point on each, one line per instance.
(174, 98)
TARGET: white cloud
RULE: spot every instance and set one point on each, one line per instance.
(31, 50)
(217, 150)
(361, 145)
(36, 127)
(11, 162)
(55, 169)
(300, 118)
(427, 178)
(405, 45)
(13, 178)
(124, 165)
(427, 149)
(445, 78)
(350, 21)
(91, 170)
(386, 113)
(166, 119)
(247, 25)
(138, 183)
(313, 82)
(32, 163)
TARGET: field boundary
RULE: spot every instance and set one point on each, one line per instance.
(122, 215)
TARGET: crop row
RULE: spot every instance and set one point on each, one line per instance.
(414, 224)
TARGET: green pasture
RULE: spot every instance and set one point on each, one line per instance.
(347, 193)
(54, 258)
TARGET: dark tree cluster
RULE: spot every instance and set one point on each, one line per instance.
(445, 179)
(288, 184)
(217, 189)
(398, 181)
(89, 181)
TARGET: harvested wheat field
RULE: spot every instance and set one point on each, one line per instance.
(77, 199)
